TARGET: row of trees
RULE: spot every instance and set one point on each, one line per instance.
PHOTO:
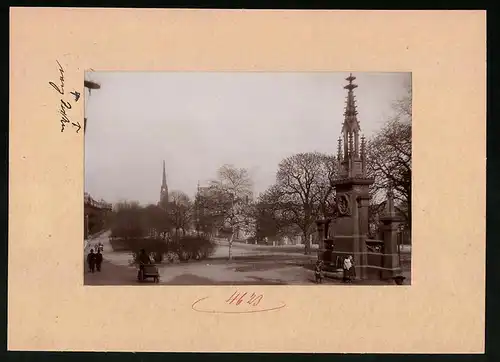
(303, 190)
(226, 204)
(390, 158)
(161, 231)
(132, 220)
(223, 208)
(304, 187)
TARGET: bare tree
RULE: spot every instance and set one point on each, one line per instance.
(207, 217)
(390, 157)
(271, 220)
(179, 211)
(267, 216)
(232, 193)
(304, 183)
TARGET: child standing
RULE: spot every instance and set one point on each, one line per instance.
(348, 268)
(318, 271)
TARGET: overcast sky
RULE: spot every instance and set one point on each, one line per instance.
(197, 122)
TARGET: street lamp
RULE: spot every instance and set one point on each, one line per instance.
(86, 226)
(89, 84)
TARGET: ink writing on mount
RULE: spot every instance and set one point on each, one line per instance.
(65, 105)
(62, 110)
(76, 95)
(59, 89)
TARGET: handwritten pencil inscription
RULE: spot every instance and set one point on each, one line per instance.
(238, 303)
(238, 298)
(64, 104)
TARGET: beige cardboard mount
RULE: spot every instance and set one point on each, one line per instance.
(442, 311)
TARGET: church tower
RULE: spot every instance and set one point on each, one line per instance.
(164, 189)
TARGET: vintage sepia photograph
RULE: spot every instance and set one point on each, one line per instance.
(247, 178)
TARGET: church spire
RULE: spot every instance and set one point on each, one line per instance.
(164, 181)
(164, 189)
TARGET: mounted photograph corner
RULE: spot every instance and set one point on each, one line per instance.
(247, 178)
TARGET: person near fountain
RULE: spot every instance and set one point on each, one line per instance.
(318, 271)
(348, 269)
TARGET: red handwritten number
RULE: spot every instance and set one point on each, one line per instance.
(241, 299)
(238, 298)
(253, 299)
(258, 299)
(227, 301)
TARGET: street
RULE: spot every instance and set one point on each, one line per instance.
(251, 264)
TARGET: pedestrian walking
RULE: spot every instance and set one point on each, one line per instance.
(98, 260)
(91, 260)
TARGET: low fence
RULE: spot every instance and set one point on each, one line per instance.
(97, 234)
(374, 260)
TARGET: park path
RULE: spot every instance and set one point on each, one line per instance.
(111, 273)
(103, 238)
(116, 269)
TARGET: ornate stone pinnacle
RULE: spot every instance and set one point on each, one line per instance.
(350, 86)
(390, 201)
(351, 144)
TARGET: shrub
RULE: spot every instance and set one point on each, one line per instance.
(158, 256)
(171, 257)
(193, 247)
(181, 248)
